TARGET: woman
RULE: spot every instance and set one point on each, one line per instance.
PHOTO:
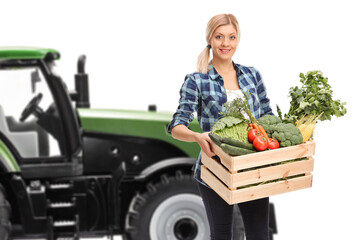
(206, 91)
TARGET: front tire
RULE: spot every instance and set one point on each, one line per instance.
(5, 212)
(171, 209)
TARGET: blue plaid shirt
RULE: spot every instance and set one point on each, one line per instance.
(206, 95)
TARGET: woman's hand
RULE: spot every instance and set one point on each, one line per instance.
(182, 133)
(204, 141)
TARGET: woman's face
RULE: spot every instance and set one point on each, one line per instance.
(224, 42)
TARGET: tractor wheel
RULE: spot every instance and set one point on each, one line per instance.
(5, 212)
(171, 209)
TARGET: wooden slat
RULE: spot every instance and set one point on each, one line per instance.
(271, 189)
(258, 175)
(256, 192)
(215, 184)
(264, 158)
(225, 158)
(219, 170)
(273, 172)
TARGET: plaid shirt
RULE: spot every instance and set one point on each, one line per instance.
(206, 95)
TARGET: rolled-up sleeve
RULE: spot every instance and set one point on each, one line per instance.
(188, 103)
(265, 107)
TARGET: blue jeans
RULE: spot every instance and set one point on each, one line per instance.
(255, 215)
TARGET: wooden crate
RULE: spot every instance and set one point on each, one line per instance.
(224, 177)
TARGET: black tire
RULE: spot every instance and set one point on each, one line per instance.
(5, 213)
(171, 209)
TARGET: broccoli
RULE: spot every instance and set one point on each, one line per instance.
(268, 122)
(287, 134)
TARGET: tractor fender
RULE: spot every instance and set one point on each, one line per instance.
(172, 162)
(7, 160)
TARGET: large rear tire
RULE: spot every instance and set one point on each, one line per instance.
(171, 209)
(5, 212)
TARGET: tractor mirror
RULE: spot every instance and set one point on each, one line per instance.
(35, 77)
(152, 108)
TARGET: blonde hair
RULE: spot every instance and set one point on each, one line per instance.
(214, 23)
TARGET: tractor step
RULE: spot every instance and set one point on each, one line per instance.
(64, 223)
(61, 205)
(59, 192)
(67, 237)
(66, 229)
(64, 220)
(60, 186)
(62, 209)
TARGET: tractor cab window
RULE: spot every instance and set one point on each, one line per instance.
(28, 115)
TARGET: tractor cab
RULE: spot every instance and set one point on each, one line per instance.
(38, 123)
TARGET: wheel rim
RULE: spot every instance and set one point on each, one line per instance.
(180, 217)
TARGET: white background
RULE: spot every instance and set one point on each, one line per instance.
(138, 53)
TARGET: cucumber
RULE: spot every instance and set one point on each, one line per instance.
(215, 138)
(236, 151)
(238, 143)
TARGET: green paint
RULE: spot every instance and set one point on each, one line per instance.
(8, 157)
(9, 53)
(136, 123)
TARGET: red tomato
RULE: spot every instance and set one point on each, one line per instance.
(272, 143)
(253, 133)
(260, 143)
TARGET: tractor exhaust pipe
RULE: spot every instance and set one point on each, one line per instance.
(82, 84)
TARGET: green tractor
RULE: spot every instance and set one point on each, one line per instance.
(68, 171)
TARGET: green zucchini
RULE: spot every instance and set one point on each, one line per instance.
(238, 143)
(236, 151)
(215, 138)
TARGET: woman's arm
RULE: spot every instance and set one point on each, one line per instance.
(264, 100)
(188, 103)
(182, 133)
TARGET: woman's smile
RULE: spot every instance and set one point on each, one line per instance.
(225, 51)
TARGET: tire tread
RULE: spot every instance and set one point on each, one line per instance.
(5, 214)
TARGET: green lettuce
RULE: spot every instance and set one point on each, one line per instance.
(232, 127)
